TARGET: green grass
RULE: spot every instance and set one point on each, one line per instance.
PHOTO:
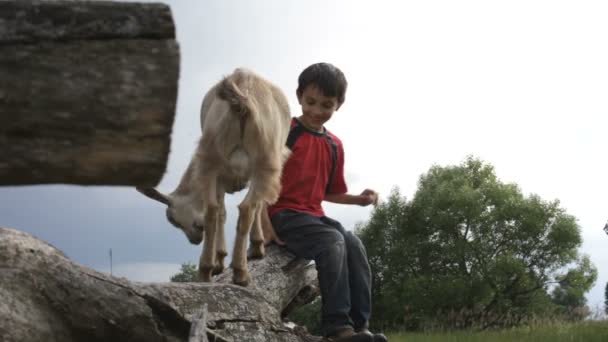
(588, 331)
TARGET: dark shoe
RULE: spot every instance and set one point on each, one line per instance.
(375, 337)
(349, 335)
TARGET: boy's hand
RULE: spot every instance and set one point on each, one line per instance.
(273, 238)
(270, 235)
(368, 197)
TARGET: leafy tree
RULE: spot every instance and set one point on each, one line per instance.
(187, 273)
(309, 316)
(378, 235)
(569, 294)
(469, 249)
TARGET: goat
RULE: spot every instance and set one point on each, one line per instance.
(245, 122)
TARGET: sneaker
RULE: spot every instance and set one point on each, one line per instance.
(375, 337)
(349, 335)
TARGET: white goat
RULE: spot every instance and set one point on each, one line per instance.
(245, 121)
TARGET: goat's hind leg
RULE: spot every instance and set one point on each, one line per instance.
(265, 187)
(256, 236)
(247, 212)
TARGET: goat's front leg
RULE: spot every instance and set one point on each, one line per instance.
(210, 219)
(220, 240)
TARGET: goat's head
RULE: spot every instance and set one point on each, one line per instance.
(181, 213)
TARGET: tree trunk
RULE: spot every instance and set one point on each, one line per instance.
(87, 92)
(46, 297)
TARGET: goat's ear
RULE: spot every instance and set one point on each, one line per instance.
(154, 194)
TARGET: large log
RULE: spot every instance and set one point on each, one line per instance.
(87, 92)
(46, 297)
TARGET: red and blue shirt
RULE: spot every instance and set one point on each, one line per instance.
(307, 172)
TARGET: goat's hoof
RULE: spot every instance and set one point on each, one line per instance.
(219, 263)
(217, 270)
(205, 274)
(204, 279)
(254, 255)
(241, 277)
(256, 251)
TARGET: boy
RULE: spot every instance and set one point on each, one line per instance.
(313, 173)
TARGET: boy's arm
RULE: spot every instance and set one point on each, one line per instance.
(367, 197)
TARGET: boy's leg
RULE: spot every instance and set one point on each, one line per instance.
(359, 276)
(308, 237)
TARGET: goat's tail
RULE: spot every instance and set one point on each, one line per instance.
(238, 92)
(259, 113)
(251, 99)
(230, 92)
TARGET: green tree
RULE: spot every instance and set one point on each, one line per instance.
(187, 273)
(468, 249)
(569, 294)
(384, 256)
(606, 299)
(309, 316)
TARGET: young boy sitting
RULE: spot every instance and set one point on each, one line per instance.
(314, 173)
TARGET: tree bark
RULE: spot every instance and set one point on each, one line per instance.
(46, 297)
(88, 92)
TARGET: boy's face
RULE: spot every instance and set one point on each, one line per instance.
(317, 108)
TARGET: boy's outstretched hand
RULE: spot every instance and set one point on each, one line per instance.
(270, 235)
(368, 197)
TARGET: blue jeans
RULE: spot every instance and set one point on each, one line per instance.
(342, 267)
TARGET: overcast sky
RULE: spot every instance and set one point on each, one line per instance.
(522, 85)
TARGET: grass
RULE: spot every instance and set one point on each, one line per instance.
(587, 331)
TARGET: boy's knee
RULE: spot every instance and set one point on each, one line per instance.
(353, 241)
(334, 238)
(333, 243)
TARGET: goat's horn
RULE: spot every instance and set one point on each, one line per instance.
(154, 194)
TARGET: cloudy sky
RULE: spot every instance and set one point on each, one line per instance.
(522, 85)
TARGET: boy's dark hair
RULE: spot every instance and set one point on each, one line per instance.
(327, 77)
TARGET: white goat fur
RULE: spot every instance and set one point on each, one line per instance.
(245, 121)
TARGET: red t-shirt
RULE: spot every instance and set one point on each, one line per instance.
(306, 173)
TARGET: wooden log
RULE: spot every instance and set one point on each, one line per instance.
(286, 281)
(34, 21)
(46, 297)
(198, 329)
(88, 92)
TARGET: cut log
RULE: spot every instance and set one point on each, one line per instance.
(46, 297)
(88, 92)
(198, 329)
(287, 282)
